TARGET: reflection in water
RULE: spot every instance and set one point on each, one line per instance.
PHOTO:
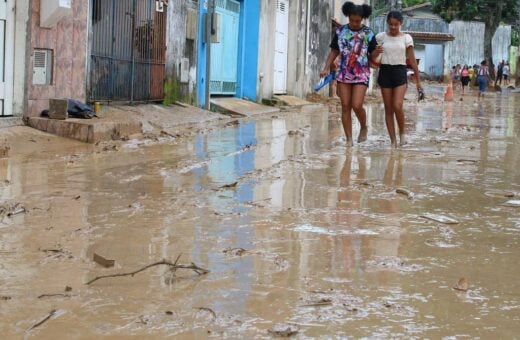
(327, 242)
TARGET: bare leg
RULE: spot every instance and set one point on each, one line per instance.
(397, 101)
(345, 95)
(387, 94)
(358, 98)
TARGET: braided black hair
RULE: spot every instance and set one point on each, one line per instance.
(349, 8)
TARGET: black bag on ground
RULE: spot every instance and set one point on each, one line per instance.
(77, 109)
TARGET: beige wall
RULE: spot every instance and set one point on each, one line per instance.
(68, 40)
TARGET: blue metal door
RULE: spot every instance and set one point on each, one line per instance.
(224, 54)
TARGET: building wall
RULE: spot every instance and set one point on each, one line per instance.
(378, 24)
(308, 45)
(501, 43)
(434, 59)
(513, 56)
(468, 46)
(179, 47)
(248, 47)
(21, 40)
(68, 41)
(266, 53)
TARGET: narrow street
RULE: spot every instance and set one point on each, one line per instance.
(300, 235)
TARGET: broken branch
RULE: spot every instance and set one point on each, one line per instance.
(50, 315)
(173, 266)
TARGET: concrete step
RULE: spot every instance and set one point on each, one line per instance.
(86, 130)
(239, 107)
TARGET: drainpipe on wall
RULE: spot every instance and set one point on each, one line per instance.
(209, 31)
(307, 38)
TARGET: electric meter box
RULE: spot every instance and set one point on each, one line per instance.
(52, 11)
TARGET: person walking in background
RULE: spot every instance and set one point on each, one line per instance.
(353, 43)
(500, 73)
(464, 78)
(393, 81)
(505, 73)
(482, 78)
(471, 72)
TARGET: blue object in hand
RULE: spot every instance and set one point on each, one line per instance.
(325, 80)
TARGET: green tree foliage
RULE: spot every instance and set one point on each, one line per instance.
(491, 12)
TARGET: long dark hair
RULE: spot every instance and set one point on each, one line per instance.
(395, 15)
(349, 8)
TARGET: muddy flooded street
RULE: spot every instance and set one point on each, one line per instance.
(300, 235)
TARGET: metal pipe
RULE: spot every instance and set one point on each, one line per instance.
(208, 25)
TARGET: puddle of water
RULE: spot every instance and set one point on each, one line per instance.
(320, 237)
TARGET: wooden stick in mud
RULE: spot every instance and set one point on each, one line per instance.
(50, 315)
(173, 266)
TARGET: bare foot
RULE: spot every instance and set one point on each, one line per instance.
(350, 143)
(402, 139)
(362, 135)
(393, 144)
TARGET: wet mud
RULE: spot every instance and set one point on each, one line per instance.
(301, 235)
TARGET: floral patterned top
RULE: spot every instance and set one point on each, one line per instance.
(354, 47)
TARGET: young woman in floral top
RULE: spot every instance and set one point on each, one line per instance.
(353, 43)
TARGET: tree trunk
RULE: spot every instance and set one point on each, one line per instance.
(492, 21)
(489, 32)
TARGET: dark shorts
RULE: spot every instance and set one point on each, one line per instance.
(506, 76)
(391, 76)
(465, 81)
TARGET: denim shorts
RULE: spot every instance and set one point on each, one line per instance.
(482, 83)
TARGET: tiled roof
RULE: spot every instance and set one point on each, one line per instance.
(432, 36)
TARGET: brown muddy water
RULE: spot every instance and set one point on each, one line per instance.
(294, 228)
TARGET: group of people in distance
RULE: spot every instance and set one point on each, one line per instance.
(357, 47)
(479, 75)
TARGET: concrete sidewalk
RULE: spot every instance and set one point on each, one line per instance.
(118, 122)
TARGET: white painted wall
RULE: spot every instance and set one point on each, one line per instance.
(468, 46)
(20, 62)
(501, 43)
(433, 62)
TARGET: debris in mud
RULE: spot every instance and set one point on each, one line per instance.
(58, 253)
(234, 251)
(4, 151)
(467, 161)
(173, 267)
(103, 261)
(12, 210)
(233, 123)
(462, 285)
(406, 192)
(110, 148)
(350, 308)
(393, 263)
(77, 197)
(167, 134)
(53, 295)
(295, 133)
(440, 218)
(284, 330)
(228, 186)
(168, 312)
(45, 319)
(209, 310)
(320, 302)
(281, 263)
(512, 203)
(5, 298)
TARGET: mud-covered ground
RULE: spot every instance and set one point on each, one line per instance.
(301, 236)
